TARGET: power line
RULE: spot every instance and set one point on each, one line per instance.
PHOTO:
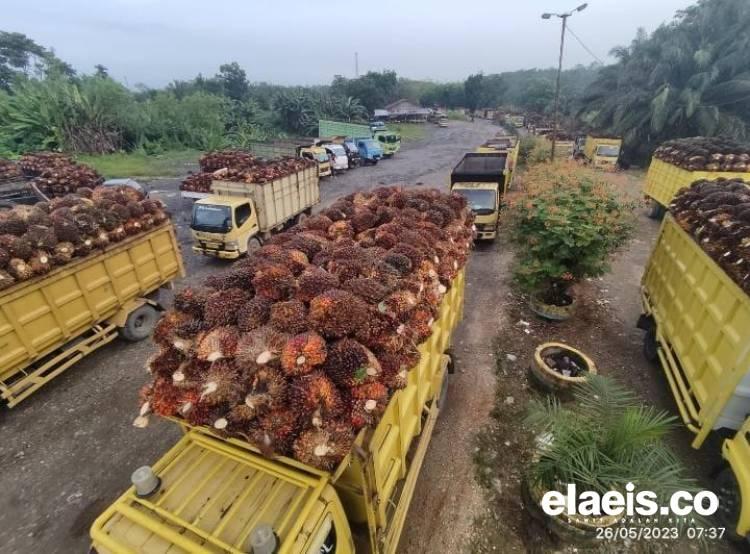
(575, 36)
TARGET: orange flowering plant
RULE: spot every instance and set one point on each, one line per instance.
(568, 224)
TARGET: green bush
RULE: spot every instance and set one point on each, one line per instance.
(566, 228)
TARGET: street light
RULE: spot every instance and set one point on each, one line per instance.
(564, 17)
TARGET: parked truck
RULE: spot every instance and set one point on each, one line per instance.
(221, 495)
(483, 178)
(389, 141)
(50, 322)
(602, 151)
(301, 147)
(238, 216)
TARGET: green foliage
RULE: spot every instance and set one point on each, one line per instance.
(690, 77)
(567, 225)
(22, 57)
(299, 110)
(603, 441)
(374, 89)
(171, 163)
(473, 91)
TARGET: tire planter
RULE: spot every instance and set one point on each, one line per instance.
(551, 311)
(553, 380)
(577, 529)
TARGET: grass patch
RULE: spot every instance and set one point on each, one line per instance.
(410, 131)
(173, 163)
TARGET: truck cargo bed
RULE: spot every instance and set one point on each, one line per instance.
(702, 325)
(477, 167)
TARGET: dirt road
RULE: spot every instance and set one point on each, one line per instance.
(68, 451)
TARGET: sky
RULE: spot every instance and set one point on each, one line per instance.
(308, 42)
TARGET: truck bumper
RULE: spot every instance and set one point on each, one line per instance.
(223, 254)
(486, 235)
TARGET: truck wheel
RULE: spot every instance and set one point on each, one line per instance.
(650, 346)
(140, 323)
(374, 162)
(656, 210)
(730, 502)
(253, 244)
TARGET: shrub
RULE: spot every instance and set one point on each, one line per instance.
(533, 150)
(568, 224)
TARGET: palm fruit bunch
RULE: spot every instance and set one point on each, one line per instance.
(197, 182)
(57, 175)
(705, 154)
(35, 239)
(9, 170)
(717, 215)
(301, 344)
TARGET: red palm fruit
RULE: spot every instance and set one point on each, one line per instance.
(132, 227)
(289, 317)
(165, 397)
(191, 301)
(314, 281)
(164, 331)
(377, 325)
(399, 304)
(302, 353)
(372, 290)
(217, 344)
(84, 247)
(394, 376)
(240, 277)
(164, 362)
(17, 247)
(317, 222)
(414, 254)
(40, 263)
(197, 412)
(222, 307)
(306, 244)
(349, 363)
(420, 322)
(324, 447)
(260, 346)
(337, 313)
(294, 260)
(221, 384)
(275, 431)
(40, 237)
(363, 219)
(267, 390)
(12, 224)
(4, 257)
(275, 282)
(399, 261)
(315, 398)
(340, 229)
(19, 269)
(254, 313)
(346, 269)
(135, 209)
(367, 404)
(118, 234)
(63, 253)
(6, 279)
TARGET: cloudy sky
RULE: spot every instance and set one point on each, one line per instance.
(307, 42)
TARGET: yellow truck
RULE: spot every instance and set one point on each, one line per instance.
(483, 178)
(602, 151)
(49, 323)
(238, 216)
(221, 495)
(663, 180)
(300, 147)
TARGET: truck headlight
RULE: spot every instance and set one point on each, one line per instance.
(232, 245)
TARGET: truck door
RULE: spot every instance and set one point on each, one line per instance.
(245, 224)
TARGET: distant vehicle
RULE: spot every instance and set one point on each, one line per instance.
(319, 155)
(132, 183)
(442, 122)
(375, 125)
(369, 150)
(389, 141)
(352, 152)
(338, 156)
(602, 151)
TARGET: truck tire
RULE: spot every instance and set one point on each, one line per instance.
(140, 323)
(253, 244)
(730, 502)
(650, 346)
(656, 210)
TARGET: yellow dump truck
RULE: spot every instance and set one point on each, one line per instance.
(221, 495)
(663, 180)
(237, 215)
(602, 151)
(697, 323)
(483, 178)
(49, 323)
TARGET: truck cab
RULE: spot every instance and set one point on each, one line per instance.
(389, 141)
(338, 156)
(369, 150)
(222, 226)
(319, 155)
(602, 152)
(352, 152)
(482, 178)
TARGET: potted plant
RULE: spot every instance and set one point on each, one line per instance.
(567, 225)
(558, 367)
(602, 442)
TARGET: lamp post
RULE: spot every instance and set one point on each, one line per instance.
(564, 17)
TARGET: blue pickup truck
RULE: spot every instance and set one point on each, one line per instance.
(369, 150)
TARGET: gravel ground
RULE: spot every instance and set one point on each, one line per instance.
(68, 451)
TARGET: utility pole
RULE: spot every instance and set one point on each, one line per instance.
(564, 17)
(356, 64)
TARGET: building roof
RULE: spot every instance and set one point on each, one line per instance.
(404, 106)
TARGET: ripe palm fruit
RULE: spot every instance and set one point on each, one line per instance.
(260, 346)
(6, 279)
(17, 247)
(275, 282)
(315, 398)
(421, 321)
(317, 223)
(370, 289)
(337, 313)
(340, 229)
(164, 330)
(395, 375)
(221, 384)
(275, 431)
(222, 307)
(164, 398)
(191, 301)
(239, 277)
(367, 404)
(4, 257)
(363, 219)
(84, 247)
(350, 363)
(11, 224)
(305, 244)
(399, 261)
(40, 263)
(314, 281)
(19, 269)
(378, 325)
(135, 209)
(64, 227)
(399, 304)
(302, 353)
(165, 362)
(289, 317)
(324, 447)
(217, 344)
(118, 234)
(63, 253)
(254, 313)
(266, 391)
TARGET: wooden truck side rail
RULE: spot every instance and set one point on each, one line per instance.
(86, 299)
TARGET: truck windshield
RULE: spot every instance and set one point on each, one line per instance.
(609, 150)
(211, 219)
(369, 144)
(482, 202)
(336, 150)
(321, 157)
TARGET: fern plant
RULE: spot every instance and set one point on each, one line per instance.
(603, 441)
